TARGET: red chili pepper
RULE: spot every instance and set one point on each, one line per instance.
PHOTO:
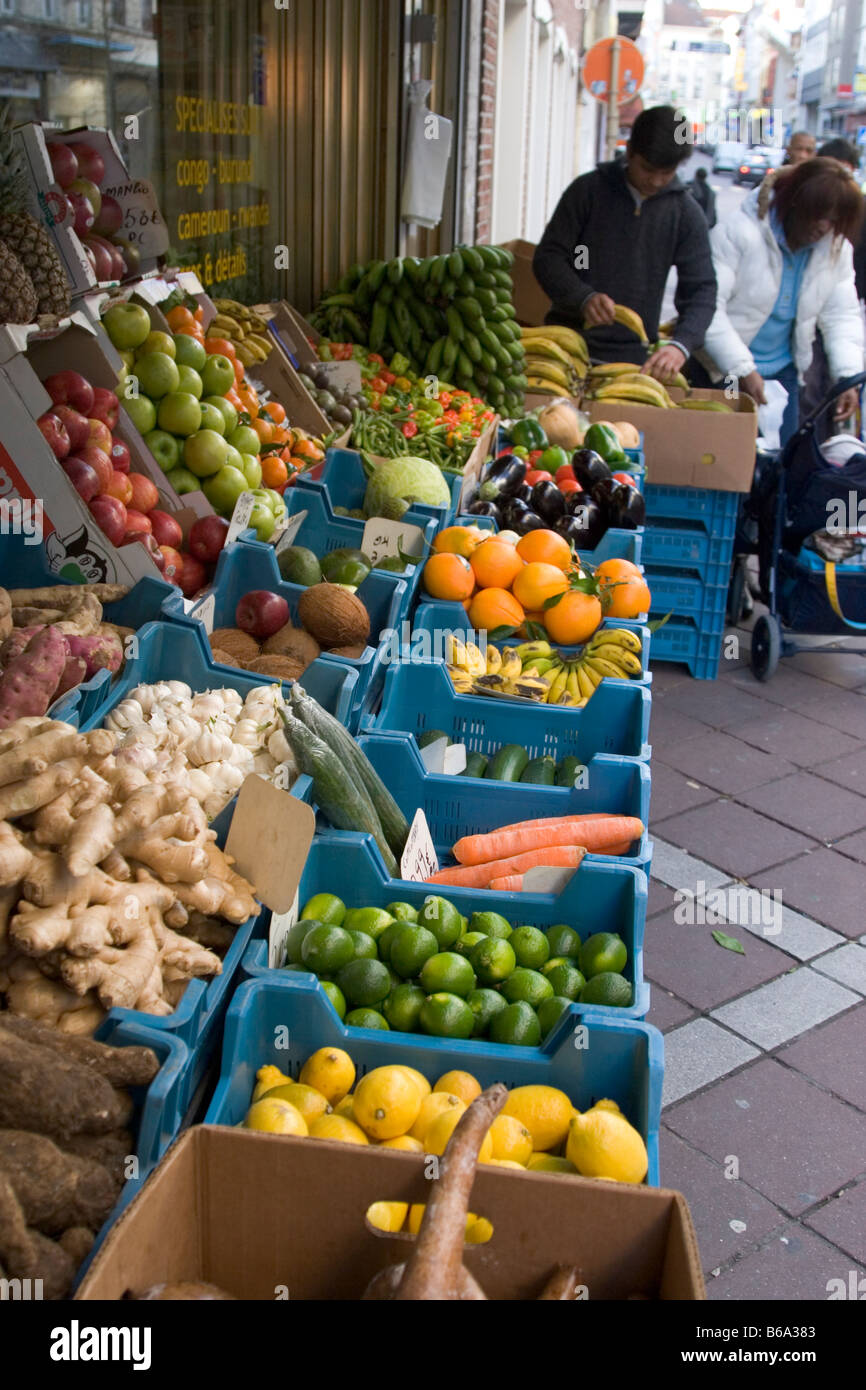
(379, 385)
(388, 377)
(445, 398)
(375, 357)
(410, 429)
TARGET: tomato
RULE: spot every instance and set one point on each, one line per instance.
(565, 471)
(410, 429)
(388, 377)
(626, 478)
(568, 485)
(534, 456)
(537, 475)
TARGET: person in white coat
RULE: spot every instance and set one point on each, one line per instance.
(784, 270)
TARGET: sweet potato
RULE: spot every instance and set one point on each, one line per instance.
(5, 615)
(102, 651)
(28, 684)
(74, 672)
(16, 642)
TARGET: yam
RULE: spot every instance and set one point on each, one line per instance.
(54, 1095)
(55, 1189)
(120, 1066)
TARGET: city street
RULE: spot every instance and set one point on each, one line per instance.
(728, 198)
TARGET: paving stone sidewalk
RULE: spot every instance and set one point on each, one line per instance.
(759, 809)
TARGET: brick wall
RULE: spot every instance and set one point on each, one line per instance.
(486, 122)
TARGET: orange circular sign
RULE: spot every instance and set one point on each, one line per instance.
(597, 65)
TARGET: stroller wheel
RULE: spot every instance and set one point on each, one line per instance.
(737, 592)
(766, 646)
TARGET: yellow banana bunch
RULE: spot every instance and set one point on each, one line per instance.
(544, 369)
(631, 320)
(566, 338)
(634, 393)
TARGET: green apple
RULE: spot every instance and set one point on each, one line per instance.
(224, 488)
(141, 411)
(252, 470)
(218, 375)
(157, 342)
(229, 413)
(165, 449)
(245, 440)
(128, 359)
(183, 481)
(190, 381)
(262, 521)
(127, 325)
(157, 375)
(189, 352)
(179, 413)
(204, 453)
(277, 505)
(233, 458)
(212, 419)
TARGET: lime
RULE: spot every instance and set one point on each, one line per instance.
(603, 952)
(516, 1024)
(325, 949)
(298, 965)
(563, 941)
(554, 457)
(493, 960)
(410, 948)
(446, 1016)
(404, 912)
(565, 978)
(364, 982)
(336, 996)
(530, 946)
(550, 1011)
(490, 923)
(392, 975)
(365, 946)
(607, 988)
(372, 920)
(449, 973)
(366, 1018)
(464, 925)
(325, 907)
(403, 1007)
(530, 986)
(485, 1004)
(443, 920)
(469, 939)
(388, 937)
(295, 940)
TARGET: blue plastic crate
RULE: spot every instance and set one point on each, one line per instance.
(677, 545)
(419, 696)
(599, 897)
(622, 1061)
(615, 544)
(681, 640)
(685, 594)
(343, 478)
(251, 565)
(714, 510)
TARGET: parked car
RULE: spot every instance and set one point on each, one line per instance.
(727, 157)
(775, 154)
(752, 168)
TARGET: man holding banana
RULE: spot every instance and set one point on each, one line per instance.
(611, 243)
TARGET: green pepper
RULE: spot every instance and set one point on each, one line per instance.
(399, 364)
(605, 442)
(529, 434)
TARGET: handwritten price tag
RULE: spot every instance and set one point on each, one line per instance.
(291, 529)
(346, 376)
(240, 516)
(142, 222)
(546, 880)
(281, 924)
(383, 539)
(206, 611)
(419, 857)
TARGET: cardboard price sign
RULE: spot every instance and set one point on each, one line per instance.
(281, 925)
(546, 880)
(206, 612)
(419, 860)
(290, 530)
(240, 517)
(346, 376)
(383, 539)
(444, 757)
(270, 838)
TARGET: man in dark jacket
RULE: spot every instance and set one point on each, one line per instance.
(704, 195)
(613, 239)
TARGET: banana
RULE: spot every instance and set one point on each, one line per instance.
(245, 354)
(460, 679)
(529, 671)
(585, 682)
(549, 371)
(455, 652)
(491, 685)
(531, 688)
(629, 319)
(619, 656)
(258, 340)
(545, 665)
(605, 668)
(544, 385)
(529, 650)
(581, 704)
(566, 698)
(512, 666)
(545, 347)
(571, 685)
(494, 660)
(557, 333)
(647, 384)
(621, 636)
(557, 686)
(228, 322)
(631, 393)
(705, 405)
(476, 663)
(613, 369)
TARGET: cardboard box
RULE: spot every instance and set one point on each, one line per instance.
(47, 202)
(285, 328)
(530, 302)
(270, 1217)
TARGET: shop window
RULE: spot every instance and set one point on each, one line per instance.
(118, 12)
(49, 9)
(7, 6)
(84, 11)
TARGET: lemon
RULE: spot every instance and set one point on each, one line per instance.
(310, 1103)
(459, 1083)
(544, 1111)
(275, 1117)
(266, 1078)
(387, 1102)
(330, 1071)
(387, 1216)
(602, 1144)
(478, 1232)
(346, 1106)
(549, 1163)
(511, 1140)
(505, 1163)
(338, 1127)
(418, 1077)
(405, 1142)
(440, 1131)
(416, 1216)
(431, 1106)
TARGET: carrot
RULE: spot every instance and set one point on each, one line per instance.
(594, 834)
(509, 883)
(479, 875)
(558, 820)
(617, 850)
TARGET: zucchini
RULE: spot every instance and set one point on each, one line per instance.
(476, 765)
(431, 736)
(509, 763)
(566, 770)
(540, 771)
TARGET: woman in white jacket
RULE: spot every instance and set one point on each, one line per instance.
(783, 270)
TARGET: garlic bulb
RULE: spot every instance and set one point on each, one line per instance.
(127, 715)
(246, 732)
(137, 755)
(200, 785)
(279, 749)
(241, 756)
(209, 747)
(208, 705)
(179, 690)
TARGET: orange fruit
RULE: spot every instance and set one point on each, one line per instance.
(448, 576)
(179, 318)
(274, 471)
(496, 564)
(222, 346)
(574, 619)
(546, 546)
(457, 540)
(538, 582)
(264, 429)
(276, 411)
(493, 608)
(617, 569)
(625, 598)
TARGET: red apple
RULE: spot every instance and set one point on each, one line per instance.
(83, 478)
(144, 494)
(77, 425)
(261, 613)
(100, 435)
(118, 267)
(83, 217)
(55, 434)
(70, 388)
(90, 191)
(166, 529)
(173, 571)
(105, 406)
(64, 164)
(91, 165)
(110, 217)
(194, 576)
(206, 538)
(103, 260)
(99, 461)
(120, 487)
(91, 258)
(109, 513)
(132, 537)
(136, 523)
(120, 456)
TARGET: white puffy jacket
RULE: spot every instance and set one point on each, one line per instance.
(748, 265)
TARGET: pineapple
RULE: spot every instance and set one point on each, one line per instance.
(32, 278)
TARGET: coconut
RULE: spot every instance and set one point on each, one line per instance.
(224, 658)
(284, 668)
(335, 617)
(353, 653)
(293, 642)
(239, 644)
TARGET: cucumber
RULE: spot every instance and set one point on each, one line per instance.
(476, 765)
(431, 736)
(566, 770)
(509, 763)
(540, 771)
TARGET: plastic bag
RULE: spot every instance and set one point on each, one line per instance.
(770, 415)
(428, 149)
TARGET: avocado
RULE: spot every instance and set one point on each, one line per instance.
(298, 565)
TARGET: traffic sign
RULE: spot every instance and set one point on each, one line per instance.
(597, 66)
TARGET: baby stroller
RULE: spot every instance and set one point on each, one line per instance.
(812, 575)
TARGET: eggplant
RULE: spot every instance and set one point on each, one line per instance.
(574, 501)
(505, 475)
(479, 508)
(589, 529)
(530, 522)
(605, 494)
(524, 494)
(589, 467)
(573, 531)
(632, 513)
(513, 511)
(548, 502)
